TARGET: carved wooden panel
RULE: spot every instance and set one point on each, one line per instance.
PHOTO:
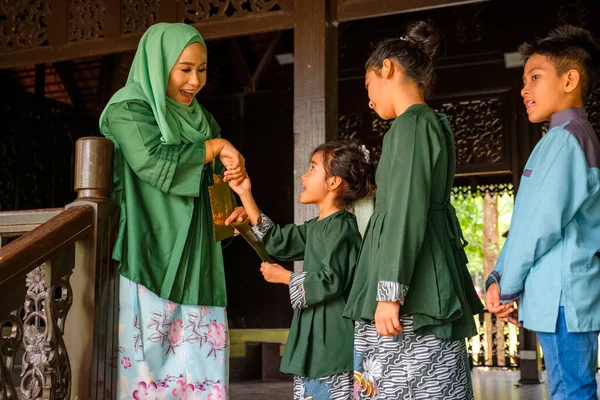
(23, 23)
(138, 15)
(349, 126)
(374, 153)
(593, 110)
(482, 190)
(11, 340)
(69, 29)
(46, 364)
(573, 12)
(478, 130)
(199, 10)
(480, 137)
(469, 23)
(380, 126)
(86, 19)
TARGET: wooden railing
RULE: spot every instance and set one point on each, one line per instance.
(56, 263)
(500, 344)
(496, 343)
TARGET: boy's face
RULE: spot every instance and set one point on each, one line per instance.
(543, 89)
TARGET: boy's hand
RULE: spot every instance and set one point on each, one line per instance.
(504, 311)
(275, 273)
(387, 318)
(512, 316)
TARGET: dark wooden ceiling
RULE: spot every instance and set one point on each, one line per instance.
(85, 82)
(473, 32)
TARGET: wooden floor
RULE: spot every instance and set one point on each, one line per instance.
(488, 385)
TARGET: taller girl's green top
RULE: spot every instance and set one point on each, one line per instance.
(165, 240)
(321, 340)
(413, 246)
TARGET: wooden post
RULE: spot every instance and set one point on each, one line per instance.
(92, 341)
(490, 256)
(315, 88)
(66, 77)
(530, 362)
(93, 167)
(40, 80)
(109, 66)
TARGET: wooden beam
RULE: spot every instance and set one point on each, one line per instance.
(218, 29)
(168, 13)
(109, 65)
(40, 80)
(112, 28)
(264, 61)
(315, 89)
(241, 66)
(349, 10)
(530, 362)
(58, 26)
(70, 85)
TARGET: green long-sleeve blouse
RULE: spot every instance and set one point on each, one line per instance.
(413, 246)
(165, 240)
(321, 340)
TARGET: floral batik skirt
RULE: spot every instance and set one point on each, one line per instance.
(409, 366)
(168, 350)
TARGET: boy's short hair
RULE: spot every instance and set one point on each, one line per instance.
(568, 47)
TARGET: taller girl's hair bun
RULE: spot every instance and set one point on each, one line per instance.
(425, 35)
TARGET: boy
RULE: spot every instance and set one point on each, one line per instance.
(551, 259)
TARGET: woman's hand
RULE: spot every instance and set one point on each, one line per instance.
(387, 318)
(275, 273)
(235, 163)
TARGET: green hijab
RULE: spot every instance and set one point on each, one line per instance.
(157, 52)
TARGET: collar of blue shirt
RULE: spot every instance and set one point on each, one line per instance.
(559, 118)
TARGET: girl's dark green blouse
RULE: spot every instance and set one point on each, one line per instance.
(321, 340)
(413, 245)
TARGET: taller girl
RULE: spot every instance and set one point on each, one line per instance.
(412, 297)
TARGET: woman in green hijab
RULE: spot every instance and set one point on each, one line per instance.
(172, 319)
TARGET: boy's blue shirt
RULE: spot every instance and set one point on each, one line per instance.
(552, 254)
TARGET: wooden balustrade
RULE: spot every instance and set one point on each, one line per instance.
(59, 265)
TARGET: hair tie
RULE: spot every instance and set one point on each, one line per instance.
(365, 152)
(407, 39)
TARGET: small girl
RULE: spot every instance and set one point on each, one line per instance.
(319, 348)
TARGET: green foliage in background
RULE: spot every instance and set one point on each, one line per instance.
(470, 214)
